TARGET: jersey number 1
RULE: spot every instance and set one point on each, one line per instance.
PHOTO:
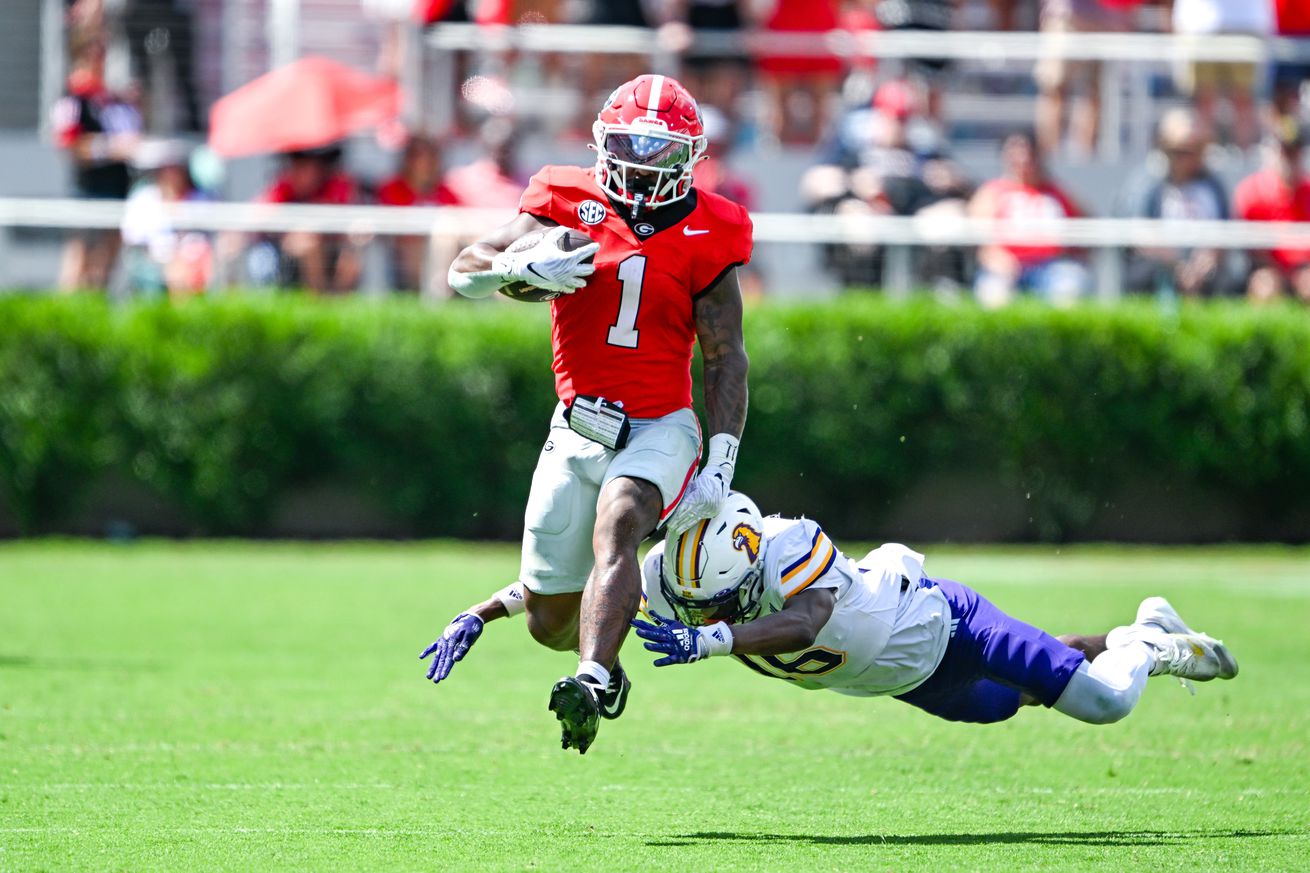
(623, 332)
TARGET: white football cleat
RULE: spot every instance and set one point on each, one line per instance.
(1192, 656)
(1157, 618)
(1161, 613)
(1155, 615)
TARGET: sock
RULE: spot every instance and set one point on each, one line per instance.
(593, 670)
(1107, 689)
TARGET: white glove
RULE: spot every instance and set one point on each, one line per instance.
(708, 491)
(546, 265)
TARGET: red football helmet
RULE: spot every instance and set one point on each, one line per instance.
(648, 135)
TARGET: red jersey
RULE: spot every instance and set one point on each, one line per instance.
(628, 335)
(398, 192)
(338, 189)
(1264, 196)
(802, 16)
(1293, 17)
(1015, 201)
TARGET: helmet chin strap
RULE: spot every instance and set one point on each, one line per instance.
(638, 202)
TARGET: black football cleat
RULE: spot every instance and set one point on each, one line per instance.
(615, 696)
(575, 705)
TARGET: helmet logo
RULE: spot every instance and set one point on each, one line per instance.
(746, 539)
(591, 211)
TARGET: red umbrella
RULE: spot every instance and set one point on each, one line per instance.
(309, 103)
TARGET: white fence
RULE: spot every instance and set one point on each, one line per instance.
(1104, 236)
(983, 45)
(1128, 59)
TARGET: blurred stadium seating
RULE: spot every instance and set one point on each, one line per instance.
(547, 76)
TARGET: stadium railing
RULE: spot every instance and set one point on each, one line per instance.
(984, 45)
(1105, 237)
(1124, 98)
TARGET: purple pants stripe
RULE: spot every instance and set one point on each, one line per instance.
(990, 662)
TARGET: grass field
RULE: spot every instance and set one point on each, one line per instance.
(249, 706)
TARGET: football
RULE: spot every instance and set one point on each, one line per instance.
(527, 293)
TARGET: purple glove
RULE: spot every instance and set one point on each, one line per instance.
(680, 644)
(453, 644)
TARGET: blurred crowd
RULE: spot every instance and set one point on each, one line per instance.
(880, 134)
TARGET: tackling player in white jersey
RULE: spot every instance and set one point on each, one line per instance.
(780, 597)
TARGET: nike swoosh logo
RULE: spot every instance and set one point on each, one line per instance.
(535, 273)
(687, 231)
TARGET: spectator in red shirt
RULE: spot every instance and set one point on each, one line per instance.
(416, 183)
(315, 261)
(1279, 192)
(1025, 194)
(800, 89)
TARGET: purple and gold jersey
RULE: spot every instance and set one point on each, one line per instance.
(884, 637)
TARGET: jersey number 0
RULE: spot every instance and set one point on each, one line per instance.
(623, 332)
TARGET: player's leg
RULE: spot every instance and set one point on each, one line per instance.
(628, 511)
(994, 664)
(557, 526)
(1107, 689)
(643, 482)
(979, 702)
(1092, 647)
(1008, 651)
(1047, 671)
(552, 619)
(1102, 689)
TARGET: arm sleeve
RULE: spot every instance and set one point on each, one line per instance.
(812, 565)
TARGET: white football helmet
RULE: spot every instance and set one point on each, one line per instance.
(713, 571)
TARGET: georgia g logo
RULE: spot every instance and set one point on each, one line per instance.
(746, 539)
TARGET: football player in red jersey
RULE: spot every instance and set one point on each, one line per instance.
(621, 455)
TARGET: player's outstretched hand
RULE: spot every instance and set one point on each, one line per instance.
(453, 644)
(704, 498)
(546, 265)
(680, 644)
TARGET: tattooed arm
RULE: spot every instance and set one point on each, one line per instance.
(718, 326)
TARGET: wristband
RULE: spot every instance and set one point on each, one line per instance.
(511, 597)
(475, 285)
(716, 639)
(723, 455)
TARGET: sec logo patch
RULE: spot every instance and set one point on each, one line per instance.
(591, 211)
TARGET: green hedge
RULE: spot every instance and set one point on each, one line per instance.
(436, 414)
